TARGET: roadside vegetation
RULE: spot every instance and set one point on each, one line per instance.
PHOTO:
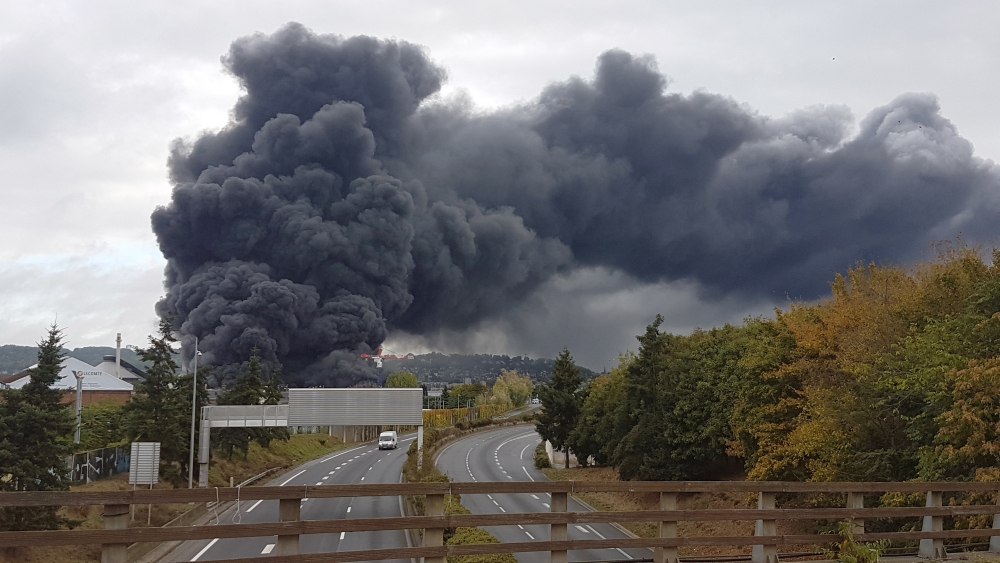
(891, 378)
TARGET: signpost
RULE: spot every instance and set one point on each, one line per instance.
(144, 469)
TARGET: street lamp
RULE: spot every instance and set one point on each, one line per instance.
(79, 405)
(194, 412)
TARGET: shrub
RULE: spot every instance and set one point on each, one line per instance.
(851, 551)
(470, 536)
(541, 457)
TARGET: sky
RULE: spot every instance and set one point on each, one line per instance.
(93, 94)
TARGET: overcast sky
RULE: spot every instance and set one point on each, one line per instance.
(92, 94)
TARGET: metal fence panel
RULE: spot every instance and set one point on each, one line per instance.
(355, 407)
(86, 467)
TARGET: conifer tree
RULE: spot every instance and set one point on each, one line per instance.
(35, 438)
(250, 389)
(160, 411)
(561, 403)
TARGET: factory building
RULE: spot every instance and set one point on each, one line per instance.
(98, 384)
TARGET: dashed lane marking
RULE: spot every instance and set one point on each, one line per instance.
(582, 529)
(534, 497)
(204, 549)
(546, 505)
(501, 509)
(255, 505)
(342, 535)
(292, 477)
(529, 535)
(267, 549)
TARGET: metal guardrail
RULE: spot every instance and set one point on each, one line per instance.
(115, 537)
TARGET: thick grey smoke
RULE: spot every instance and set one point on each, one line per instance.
(341, 203)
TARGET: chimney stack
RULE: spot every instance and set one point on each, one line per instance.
(118, 356)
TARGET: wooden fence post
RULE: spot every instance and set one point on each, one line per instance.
(668, 529)
(434, 537)
(115, 518)
(558, 531)
(856, 500)
(288, 511)
(765, 553)
(931, 548)
(995, 540)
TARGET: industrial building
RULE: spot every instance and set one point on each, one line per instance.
(98, 385)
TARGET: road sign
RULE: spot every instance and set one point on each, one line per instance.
(144, 468)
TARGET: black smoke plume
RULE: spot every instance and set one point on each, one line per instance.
(346, 200)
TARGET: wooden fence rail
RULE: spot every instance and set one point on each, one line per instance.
(116, 537)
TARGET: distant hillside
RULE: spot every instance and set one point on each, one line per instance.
(14, 359)
(455, 368)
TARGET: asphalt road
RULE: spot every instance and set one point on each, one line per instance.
(508, 455)
(362, 464)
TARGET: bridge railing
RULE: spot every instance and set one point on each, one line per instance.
(117, 536)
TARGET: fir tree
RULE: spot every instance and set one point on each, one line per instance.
(250, 389)
(160, 411)
(561, 403)
(35, 438)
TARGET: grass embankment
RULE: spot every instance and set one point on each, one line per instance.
(699, 501)
(300, 448)
(640, 501)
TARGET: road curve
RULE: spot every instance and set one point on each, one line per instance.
(361, 464)
(507, 454)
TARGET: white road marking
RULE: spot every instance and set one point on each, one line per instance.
(496, 503)
(255, 505)
(546, 505)
(362, 478)
(319, 483)
(501, 509)
(267, 549)
(596, 532)
(292, 477)
(522, 451)
(348, 508)
(325, 477)
(528, 474)
(204, 549)
(529, 535)
(342, 535)
(332, 472)
(489, 497)
(520, 527)
(509, 477)
(582, 529)
(534, 497)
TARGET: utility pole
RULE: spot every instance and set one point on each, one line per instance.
(79, 405)
(194, 412)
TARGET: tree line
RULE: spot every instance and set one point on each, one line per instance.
(37, 428)
(895, 376)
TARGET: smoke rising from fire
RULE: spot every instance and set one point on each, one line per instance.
(345, 200)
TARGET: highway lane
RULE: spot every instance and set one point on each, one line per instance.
(361, 464)
(508, 455)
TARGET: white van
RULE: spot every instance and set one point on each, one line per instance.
(387, 440)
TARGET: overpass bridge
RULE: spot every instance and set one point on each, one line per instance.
(766, 543)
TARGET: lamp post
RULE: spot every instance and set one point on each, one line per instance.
(79, 405)
(194, 412)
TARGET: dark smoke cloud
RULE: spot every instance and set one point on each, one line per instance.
(342, 202)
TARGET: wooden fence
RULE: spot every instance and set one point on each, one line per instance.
(116, 536)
